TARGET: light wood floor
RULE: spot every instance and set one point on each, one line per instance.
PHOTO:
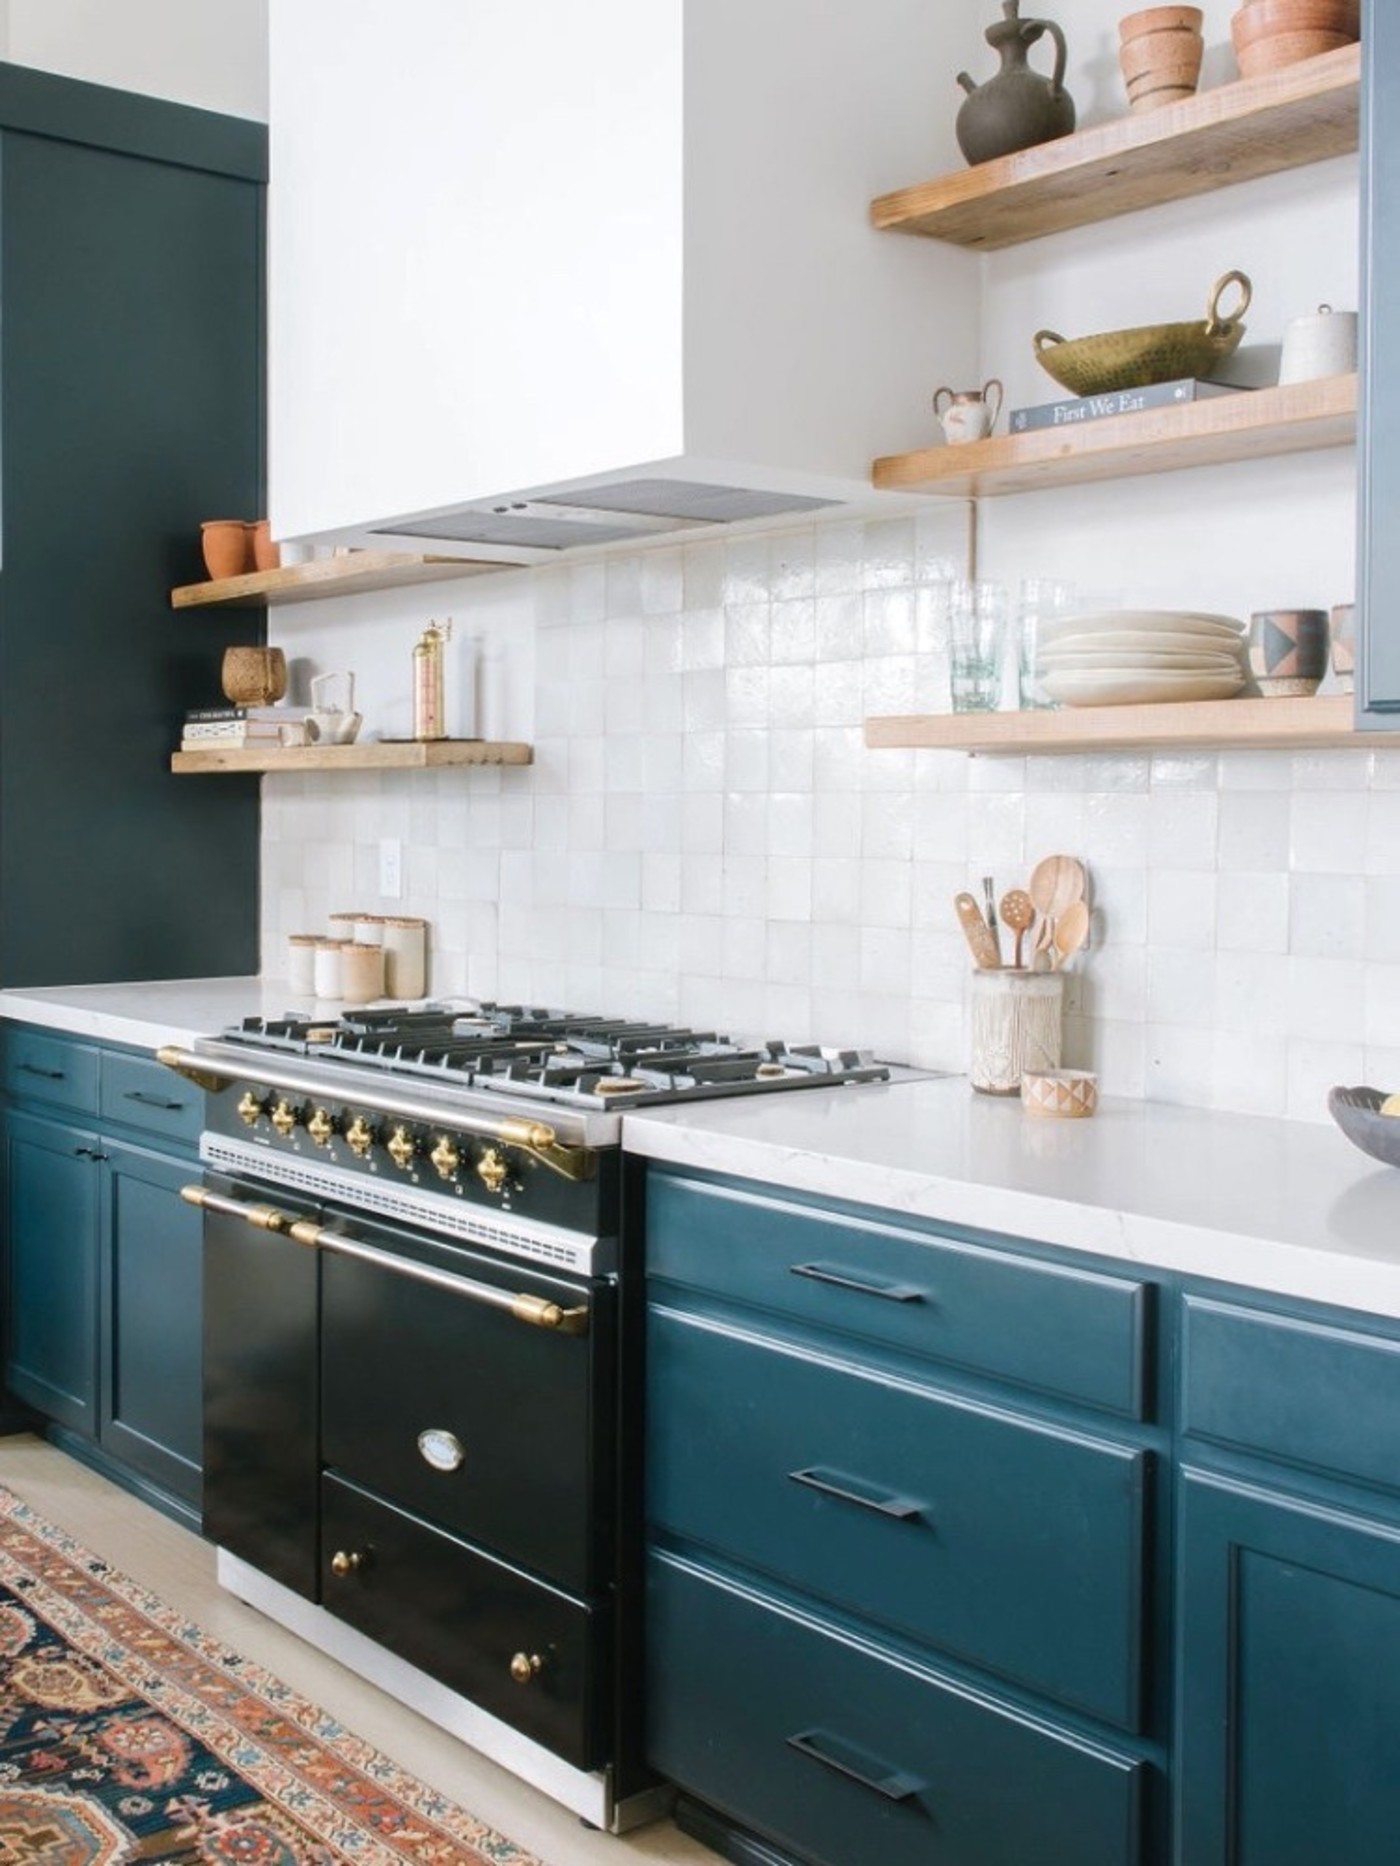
(180, 1568)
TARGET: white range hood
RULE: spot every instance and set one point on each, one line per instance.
(547, 276)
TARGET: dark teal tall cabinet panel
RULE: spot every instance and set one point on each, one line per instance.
(1378, 577)
(131, 398)
(51, 1210)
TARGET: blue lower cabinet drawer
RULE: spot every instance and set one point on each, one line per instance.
(1306, 1391)
(1010, 1544)
(847, 1755)
(142, 1093)
(1050, 1327)
(40, 1066)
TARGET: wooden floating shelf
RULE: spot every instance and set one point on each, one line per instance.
(434, 754)
(1254, 424)
(1255, 725)
(352, 575)
(1235, 132)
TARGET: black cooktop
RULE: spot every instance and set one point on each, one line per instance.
(531, 1051)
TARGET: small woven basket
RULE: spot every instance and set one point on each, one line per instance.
(1132, 359)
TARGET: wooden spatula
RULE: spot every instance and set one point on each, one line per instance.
(977, 933)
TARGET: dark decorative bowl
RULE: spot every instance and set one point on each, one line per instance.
(1357, 1113)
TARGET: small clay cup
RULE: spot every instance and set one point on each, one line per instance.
(254, 676)
(1288, 650)
(266, 554)
(1160, 54)
(1270, 34)
(225, 545)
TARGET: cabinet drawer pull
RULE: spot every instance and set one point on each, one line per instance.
(152, 1101)
(842, 1279)
(848, 1490)
(49, 1075)
(846, 1760)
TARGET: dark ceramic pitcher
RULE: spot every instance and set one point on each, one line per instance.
(1018, 107)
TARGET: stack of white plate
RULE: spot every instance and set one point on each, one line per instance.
(1128, 656)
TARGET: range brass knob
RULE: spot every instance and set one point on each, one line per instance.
(445, 1157)
(346, 1561)
(284, 1117)
(402, 1147)
(491, 1170)
(525, 1667)
(360, 1136)
(321, 1127)
(249, 1108)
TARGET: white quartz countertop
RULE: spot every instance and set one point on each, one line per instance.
(1286, 1206)
(147, 1015)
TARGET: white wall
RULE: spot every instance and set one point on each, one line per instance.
(210, 53)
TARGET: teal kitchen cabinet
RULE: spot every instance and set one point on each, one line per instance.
(104, 1268)
(901, 1495)
(1288, 1748)
(1378, 578)
(131, 408)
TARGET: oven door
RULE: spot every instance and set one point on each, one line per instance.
(260, 1399)
(472, 1392)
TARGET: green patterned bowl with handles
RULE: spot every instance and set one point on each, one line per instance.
(1133, 359)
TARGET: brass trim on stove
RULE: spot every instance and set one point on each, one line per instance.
(193, 1069)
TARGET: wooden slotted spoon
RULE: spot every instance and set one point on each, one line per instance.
(1018, 913)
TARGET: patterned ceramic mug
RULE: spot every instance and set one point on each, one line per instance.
(1288, 650)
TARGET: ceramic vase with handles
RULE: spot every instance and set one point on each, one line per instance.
(968, 414)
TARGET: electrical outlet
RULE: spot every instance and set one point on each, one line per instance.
(391, 868)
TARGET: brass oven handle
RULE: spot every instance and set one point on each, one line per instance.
(538, 1311)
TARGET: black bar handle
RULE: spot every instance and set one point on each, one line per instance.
(905, 1509)
(49, 1075)
(152, 1101)
(893, 1784)
(842, 1279)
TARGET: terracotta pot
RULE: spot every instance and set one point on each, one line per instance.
(254, 676)
(1160, 54)
(1269, 34)
(266, 554)
(1287, 48)
(225, 545)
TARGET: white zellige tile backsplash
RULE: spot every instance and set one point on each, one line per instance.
(704, 835)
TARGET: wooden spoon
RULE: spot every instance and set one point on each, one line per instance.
(1018, 913)
(1057, 882)
(1071, 932)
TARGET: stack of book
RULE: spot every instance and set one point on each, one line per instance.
(1075, 409)
(219, 728)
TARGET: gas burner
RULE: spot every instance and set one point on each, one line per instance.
(533, 1052)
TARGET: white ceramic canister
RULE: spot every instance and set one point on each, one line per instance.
(1017, 1018)
(1321, 344)
(361, 972)
(341, 926)
(301, 961)
(328, 967)
(405, 957)
(369, 929)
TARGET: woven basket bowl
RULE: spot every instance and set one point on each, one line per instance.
(1132, 359)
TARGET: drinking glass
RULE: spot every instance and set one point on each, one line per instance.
(977, 620)
(1042, 600)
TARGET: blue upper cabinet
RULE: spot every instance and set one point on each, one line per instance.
(1378, 576)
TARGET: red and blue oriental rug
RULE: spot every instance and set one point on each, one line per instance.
(128, 1737)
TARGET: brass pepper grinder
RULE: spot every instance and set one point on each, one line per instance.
(428, 707)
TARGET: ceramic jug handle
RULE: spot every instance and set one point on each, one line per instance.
(1046, 340)
(1214, 322)
(1031, 31)
(938, 397)
(993, 400)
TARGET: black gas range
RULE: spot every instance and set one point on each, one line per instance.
(423, 1394)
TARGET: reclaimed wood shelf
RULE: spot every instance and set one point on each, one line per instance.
(1325, 721)
(1232, 133)
(376, 755)
(1295, 418)
(351, 575)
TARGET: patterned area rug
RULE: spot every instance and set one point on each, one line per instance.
(128, 1736)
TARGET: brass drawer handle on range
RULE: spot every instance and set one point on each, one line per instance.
(538, 1311)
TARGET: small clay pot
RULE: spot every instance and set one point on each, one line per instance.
(1160, 55)
(266, 554)
(254, 676)
(225, 545)
(1270, 34)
